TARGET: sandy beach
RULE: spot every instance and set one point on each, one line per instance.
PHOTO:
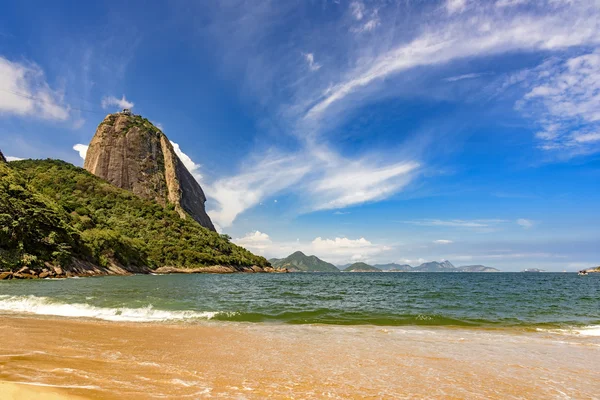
(60, 358)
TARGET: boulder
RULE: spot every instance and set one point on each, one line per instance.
(43, 275)
(24, 276)
(58, 270)
(5, 275)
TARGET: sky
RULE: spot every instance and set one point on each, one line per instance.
(379, 131)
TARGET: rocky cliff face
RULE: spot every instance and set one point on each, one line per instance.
(2, 159)
(133, 154)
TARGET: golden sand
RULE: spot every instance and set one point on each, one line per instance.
(107, 360)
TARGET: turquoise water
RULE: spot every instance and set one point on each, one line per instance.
(465, 299)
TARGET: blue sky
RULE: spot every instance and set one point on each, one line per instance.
(385, 131)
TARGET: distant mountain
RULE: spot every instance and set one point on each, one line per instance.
(361, 267)
(476, 268)
(393, 267)
(300, 262)
(434, 266)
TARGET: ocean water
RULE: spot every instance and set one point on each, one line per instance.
(548, 301)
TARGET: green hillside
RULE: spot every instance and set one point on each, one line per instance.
(361, 267)
(52, 211)
(300, 262)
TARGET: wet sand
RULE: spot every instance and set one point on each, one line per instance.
(109, 360)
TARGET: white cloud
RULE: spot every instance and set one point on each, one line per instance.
(310, 59)
(564, 96)
(341, 249)
(510, 3)
(367, 26)
(260, 179)
(329, 180)
(463, 77)
(586, 137)
(525, 223)
(25, 92)
(255, 241)
(11, 158)
(109, 101)
(191, 166)
(472, 36)
(457, 223)
(443, 241)
(366, 20)
(358, 10)
(81, 149)
(357, 182)
(336, 250)
(455, 6)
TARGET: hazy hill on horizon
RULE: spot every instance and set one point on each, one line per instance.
(300, 262)
(361, 267)
(432, 266)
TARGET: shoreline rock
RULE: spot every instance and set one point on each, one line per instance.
(84, 269)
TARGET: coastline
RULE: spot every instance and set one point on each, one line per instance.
(82, 269)
(105, 360)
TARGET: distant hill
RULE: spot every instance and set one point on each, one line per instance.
(361, 267)
(300, 262)
(393, 267)
(476, 268)
(434, 266)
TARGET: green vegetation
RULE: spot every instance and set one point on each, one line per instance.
(52, 211)
(300, 262)
(361, 267)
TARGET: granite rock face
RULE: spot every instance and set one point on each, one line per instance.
(131, 153)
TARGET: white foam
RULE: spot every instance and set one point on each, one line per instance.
(46, 306)
(591, 330)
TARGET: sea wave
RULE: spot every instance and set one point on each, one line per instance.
(589, 330)
(46, 306)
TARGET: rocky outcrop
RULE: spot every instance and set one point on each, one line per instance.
(2, 158)
(131, 153)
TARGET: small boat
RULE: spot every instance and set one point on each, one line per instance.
(584, 272)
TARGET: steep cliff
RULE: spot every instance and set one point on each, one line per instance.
(131, 153)
(2, 159)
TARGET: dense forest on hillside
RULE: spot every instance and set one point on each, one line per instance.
(52, 211)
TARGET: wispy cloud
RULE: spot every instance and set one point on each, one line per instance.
(443, 241)
(358, 10)
(330, 180)
(525, 223)
(464, 76)
(25, 92)
(455, 6)
(510, 3)
(110, 101)
(310, 60)
(467, 36)
(564, 95)
(457, 223)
